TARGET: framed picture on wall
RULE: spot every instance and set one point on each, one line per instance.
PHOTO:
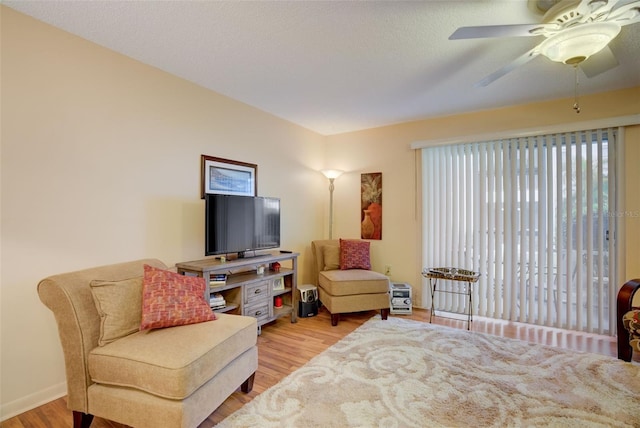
(371, 205)
(228, 177)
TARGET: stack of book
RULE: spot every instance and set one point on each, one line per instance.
(216, 301)
(218, 279)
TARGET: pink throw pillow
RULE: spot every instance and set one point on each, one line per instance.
(354, 254)
(170, 299)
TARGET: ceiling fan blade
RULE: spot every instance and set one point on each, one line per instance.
(518, 30)
(603, 6)
(628, 21)
(599, 63)
(521, 60)
(627, 13)
(590, 8)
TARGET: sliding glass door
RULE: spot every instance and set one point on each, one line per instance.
(535, 216)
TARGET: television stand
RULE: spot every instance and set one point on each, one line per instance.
(245, 291)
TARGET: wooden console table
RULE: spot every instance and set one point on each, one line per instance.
(248, 292)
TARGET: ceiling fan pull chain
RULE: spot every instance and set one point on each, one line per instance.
(576, 105)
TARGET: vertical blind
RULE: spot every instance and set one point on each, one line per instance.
(534, 216)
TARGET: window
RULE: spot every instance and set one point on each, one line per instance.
(533, 215)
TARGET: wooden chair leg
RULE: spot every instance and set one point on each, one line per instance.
(247, 385)
(81, 420)
(334, 319)
(384, 313)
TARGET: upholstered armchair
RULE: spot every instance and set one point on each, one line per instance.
(628, 316)
(173, 376)
(345, 280)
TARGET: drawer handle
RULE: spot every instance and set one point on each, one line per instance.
(258, 291)
(258, 313)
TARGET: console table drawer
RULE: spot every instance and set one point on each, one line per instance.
(259, 311)
(257, 292)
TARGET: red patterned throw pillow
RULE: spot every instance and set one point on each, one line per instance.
(354, 254)
(170, 299)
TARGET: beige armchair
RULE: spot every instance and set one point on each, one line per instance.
(344, 291)
(168, 377)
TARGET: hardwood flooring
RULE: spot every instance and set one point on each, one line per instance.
(283, 347)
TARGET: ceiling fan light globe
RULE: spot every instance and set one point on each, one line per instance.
(582, 41)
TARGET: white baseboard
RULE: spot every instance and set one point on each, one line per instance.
(24, 404)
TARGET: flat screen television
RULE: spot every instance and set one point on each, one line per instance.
(241, 224)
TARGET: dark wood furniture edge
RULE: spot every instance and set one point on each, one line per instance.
(81, 420)
(625, 297)
(335, 319)
(247, 385)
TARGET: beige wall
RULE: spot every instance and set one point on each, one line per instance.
(387, 150)
(630, 212)
(100, 164)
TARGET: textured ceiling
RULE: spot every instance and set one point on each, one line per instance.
(337, 66)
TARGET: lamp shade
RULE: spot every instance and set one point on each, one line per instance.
(332, 173)
(576, 44)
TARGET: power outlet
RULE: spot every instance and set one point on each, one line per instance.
(387, 270)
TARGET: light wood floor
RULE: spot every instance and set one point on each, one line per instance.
(284, 347)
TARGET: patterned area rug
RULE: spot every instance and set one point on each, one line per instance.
(404, 373)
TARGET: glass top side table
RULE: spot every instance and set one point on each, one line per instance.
(452, 274)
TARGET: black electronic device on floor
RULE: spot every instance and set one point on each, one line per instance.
(308, 303)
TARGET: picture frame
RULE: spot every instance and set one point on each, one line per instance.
(228, 177)
(278, 284)
(371, 206)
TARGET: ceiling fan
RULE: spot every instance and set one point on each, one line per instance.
(576, 32)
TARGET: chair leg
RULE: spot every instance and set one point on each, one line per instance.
(384, 313)
(81, 420)
(247, 385)
(334, 319)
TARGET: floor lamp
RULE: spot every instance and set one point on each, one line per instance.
(331, 174)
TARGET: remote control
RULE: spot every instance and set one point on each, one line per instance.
(285, 251)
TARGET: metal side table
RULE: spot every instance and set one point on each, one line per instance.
(452, 274)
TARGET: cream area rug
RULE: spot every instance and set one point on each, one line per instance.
(404, 373)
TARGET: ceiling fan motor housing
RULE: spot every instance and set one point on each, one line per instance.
(563, 12)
